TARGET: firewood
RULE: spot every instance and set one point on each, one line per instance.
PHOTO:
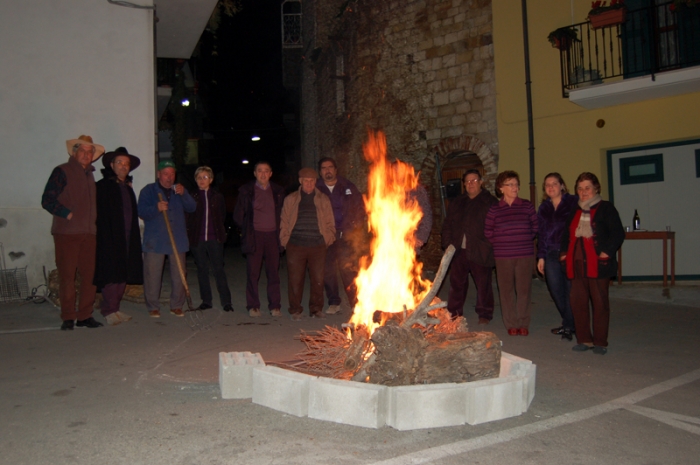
(420, 314)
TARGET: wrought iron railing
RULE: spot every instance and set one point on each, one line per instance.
(649, 41)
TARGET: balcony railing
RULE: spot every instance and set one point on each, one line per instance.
(650, 41)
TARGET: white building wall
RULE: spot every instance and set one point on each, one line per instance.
(67, 68)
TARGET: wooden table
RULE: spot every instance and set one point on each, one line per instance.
(665, 236)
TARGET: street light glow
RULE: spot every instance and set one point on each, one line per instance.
(255, 138)
(185, 102)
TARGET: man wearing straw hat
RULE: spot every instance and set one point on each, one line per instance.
(119, 259)
(70, 197)
(156, 241)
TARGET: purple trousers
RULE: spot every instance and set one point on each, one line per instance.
(267, 249)
(459, 285)
(112, 294)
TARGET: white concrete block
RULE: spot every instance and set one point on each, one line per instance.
(427, 406)
(236, 374)
(494, 399)
(283, 390)
(348, 402)
(529, 384)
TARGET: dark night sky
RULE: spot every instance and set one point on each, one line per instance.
(248, 96)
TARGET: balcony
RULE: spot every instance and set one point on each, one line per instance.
(654, 53)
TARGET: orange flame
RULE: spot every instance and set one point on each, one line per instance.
(390, 278)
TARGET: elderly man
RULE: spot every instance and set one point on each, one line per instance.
(154, 199)
(257, 213)
(464, 228)
(69, 196)
(119, 259)
(307, 229)
(350, 218)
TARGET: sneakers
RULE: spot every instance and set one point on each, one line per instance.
(295, 316)
(88, 323)
(67, 325)
(333, 309)
(154, 313)
(113, 319)
(123, 316)
(228, 308)
(275, 312)
(318, 315)
(254, 313)
(177, 312)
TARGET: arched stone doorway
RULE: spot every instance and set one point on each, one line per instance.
(453, 155)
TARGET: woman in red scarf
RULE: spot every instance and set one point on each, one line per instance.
(593, 235)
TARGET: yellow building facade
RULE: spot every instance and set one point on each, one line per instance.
(639, 131)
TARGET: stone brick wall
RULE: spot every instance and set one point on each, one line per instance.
(421, 71)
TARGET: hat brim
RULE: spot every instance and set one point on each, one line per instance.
(99, 149)
(110, 156)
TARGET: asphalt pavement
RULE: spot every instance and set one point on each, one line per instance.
(146, 391)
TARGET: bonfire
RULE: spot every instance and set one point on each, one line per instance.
(399, 333)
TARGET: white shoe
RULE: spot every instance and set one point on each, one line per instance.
(113, 319)
(123, 316)
(333, 309)
(254, 313)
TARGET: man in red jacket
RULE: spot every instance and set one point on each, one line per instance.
(70, 197)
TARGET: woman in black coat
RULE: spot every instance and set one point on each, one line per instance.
(592, 236)
(207, 235)
(118, 256)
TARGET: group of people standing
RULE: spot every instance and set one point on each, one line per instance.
(577, 237)
(97, 236)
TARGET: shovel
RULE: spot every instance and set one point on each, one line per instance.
(193, 316)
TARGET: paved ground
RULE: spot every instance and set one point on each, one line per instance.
(146, 392)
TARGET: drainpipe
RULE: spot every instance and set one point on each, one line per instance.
(528, 90)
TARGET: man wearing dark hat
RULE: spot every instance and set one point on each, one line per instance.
(307, 229)
(156, 241)
(69, 196)
(118, 238)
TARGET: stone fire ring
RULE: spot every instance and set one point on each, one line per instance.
(243, 375)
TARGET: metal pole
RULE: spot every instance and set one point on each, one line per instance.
(528, 89)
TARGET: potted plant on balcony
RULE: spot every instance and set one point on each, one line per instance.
(604, 15)
(562, 38)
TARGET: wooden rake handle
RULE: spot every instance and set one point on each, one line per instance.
(175, 252)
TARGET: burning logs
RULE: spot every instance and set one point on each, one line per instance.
(405, 356)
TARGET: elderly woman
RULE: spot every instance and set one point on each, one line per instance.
(557, 204)
(207, 236)
(511, 226)
(593, 234)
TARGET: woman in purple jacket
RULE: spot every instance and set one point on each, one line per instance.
(556, 206)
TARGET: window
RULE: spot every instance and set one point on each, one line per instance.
(644, 169)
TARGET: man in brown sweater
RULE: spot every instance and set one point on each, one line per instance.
(70, 197)
(307, 229)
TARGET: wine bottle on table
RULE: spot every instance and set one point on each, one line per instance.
(635, 221)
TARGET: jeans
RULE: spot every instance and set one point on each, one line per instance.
(559, 287)
(211, 253)
(340, 257)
